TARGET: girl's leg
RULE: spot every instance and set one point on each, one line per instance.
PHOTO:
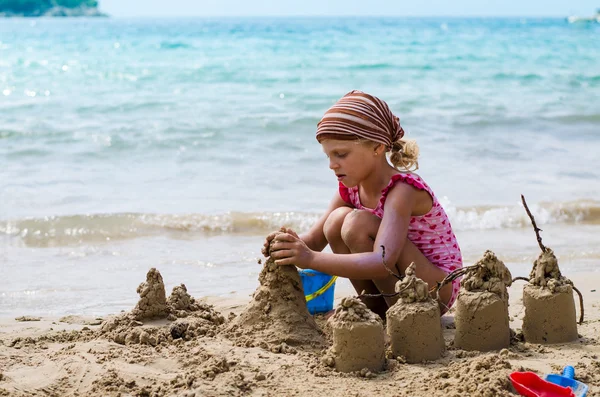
(358, 233)
(333, 233)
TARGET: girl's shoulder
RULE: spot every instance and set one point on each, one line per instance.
(429, 207)
(408, 178)
(350, 194)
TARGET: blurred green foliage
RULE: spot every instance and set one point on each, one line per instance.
(39, 6)
(75, 3)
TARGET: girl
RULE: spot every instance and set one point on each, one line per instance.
(377, 204)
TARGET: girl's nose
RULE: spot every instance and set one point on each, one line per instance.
(332, 164)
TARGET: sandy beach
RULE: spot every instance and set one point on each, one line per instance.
(180, 143)
(75, 356)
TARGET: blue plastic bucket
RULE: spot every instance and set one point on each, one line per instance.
(318, 290)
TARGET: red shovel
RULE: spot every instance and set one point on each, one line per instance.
(530, 384)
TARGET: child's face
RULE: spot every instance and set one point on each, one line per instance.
(351, 161)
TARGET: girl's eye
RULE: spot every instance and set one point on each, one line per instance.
(341, 155)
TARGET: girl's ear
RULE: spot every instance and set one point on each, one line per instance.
(378, 149)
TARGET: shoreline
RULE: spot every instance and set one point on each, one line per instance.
(62, 355)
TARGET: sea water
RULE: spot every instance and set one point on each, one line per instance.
(179, 144)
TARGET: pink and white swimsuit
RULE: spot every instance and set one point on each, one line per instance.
(431, 233)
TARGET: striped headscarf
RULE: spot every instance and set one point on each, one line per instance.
(358, 114)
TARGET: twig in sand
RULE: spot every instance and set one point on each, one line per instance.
(450, 278)
(453, 276)
(363, 295)
(544, 249)
(535, 228)
(398, 276)
(385, 295)
(580, 305)
(520, 278)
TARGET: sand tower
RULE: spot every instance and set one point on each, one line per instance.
(153, 299)
(413, 323)
(277, 313)
(482, 307)
(549, 306)
(548, 299)
(358, 340)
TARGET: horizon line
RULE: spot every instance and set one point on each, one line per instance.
(337, 16)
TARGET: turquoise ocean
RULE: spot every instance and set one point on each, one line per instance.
(179, 144)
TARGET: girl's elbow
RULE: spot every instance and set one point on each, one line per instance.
(381, 271)
(387, 265)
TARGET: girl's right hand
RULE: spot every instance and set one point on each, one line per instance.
(270, 237)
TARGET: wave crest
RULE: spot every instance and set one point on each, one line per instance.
(80, 229)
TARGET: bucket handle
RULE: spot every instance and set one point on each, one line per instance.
(322, 290)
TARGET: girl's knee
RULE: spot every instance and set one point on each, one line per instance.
(359, 228)
(333, 225)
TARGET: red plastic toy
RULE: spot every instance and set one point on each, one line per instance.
(529, 384)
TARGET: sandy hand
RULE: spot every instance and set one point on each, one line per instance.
(289, 249)
(267, 245)
(289, 231)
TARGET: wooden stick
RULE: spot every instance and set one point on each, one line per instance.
(535, 228)
(379, 295)
(451, 277)
(580, 305)
(384, 295)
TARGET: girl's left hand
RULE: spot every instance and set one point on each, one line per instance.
(288, 249)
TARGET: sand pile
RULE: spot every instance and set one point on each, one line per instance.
(545, 273)
(481, 319)
(153, 301)
(42, 341)
(481, 376)
(200, 367)
(413, 323)
(549, 305)
(183, 317)
(358, 340)
(490, 275)
(588, 374)
(277, 316)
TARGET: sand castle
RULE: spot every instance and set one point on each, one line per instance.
(548, 299)
(277, 314)
(549, 305)
(358, 339)
(156, 319)
(481, 318)
(413, 323)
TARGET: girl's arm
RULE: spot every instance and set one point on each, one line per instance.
(392, 234)
(314, 238)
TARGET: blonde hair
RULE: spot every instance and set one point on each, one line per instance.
(404, 154)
